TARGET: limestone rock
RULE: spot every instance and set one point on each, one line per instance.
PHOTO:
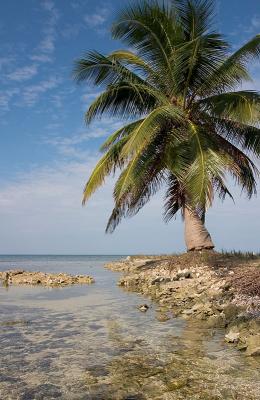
(143, 307)
(21, 277)
(162, 317)
(253, 346)
(232, 336)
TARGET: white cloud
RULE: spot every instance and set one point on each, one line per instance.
(97, 19)
(252, 27)
(53, 125)
(48, 5)
(6, 96)
(41, 58)
(89, 96)
(56, 100)
(47, 45)
(71, 145)
(23, 73)
(32, 93)
(255, 21)
(71, 30)
(41, 212)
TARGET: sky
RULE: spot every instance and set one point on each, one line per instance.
(47, 152)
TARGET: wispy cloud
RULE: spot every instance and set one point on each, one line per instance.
(41, 212)
(23, 73)
(57, 100)
(41, 58)
(72, 145)
(255, 21)
(53, 126)
(87, 97)
(32, 93)
(71, 30)
(6, 96)
(97, 19)
(47, 45)
(253, 25)
(41, 205)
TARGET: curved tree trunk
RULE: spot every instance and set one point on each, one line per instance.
(196, 235)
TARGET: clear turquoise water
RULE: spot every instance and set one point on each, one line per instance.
(91, 342)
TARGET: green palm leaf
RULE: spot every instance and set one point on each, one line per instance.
(190, 128)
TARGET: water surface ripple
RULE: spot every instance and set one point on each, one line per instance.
(92, 343)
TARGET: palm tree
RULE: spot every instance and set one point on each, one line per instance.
(188, 126)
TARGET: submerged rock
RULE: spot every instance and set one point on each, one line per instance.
(232, 336)
(202, 286)
(162, 317)
(176, 384)
(143, 307)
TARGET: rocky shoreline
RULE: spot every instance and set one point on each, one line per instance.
(21, 277)
(222, 291)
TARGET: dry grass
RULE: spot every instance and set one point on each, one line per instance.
(245, 267)
(246, 281)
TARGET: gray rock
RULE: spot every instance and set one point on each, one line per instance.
(160, 279)
(185, 273)
(143, 307)
(232, 336)
(188, 312)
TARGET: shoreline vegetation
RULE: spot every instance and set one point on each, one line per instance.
(219, 290)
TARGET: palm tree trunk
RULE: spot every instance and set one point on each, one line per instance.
(196, 235)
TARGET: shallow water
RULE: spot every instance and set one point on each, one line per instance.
(91, 342)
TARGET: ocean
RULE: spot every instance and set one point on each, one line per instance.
(91, 342)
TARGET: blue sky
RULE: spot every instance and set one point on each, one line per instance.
(47, 152)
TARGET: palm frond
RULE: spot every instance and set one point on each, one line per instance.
(242, 106)
(147, 181)
(240, 166)
(99, 69)
(119, 133)
(205, 163)
(107, 164)
(160, 117)
(123, 100)
(233, 70)
(221, 188)
(175, 198)
(140, 67)
(245, 136)
(152, 30)
(196, 16)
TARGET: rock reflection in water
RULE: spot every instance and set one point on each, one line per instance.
(194, 366)
(94, 344)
